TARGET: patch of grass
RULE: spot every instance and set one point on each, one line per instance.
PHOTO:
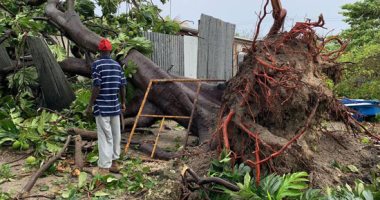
(6, 173)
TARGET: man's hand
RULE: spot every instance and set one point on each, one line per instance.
(89, 111)
(123, 108)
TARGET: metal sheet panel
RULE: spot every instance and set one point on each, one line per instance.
(168, 52)
(215, 48)
(190, 56)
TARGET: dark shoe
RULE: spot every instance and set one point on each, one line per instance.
(115, 167)
(100, 171)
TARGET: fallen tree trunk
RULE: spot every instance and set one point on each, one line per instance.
(78, 155)
(56, 90)
(139, 145)
(166, 98)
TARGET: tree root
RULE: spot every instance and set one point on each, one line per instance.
(29, 185)
(195, 179)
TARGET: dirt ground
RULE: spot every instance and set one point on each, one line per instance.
(334, 157)
(167, 173)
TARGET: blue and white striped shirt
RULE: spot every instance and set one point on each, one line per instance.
(109, 76)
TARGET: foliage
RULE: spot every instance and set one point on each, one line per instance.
(43, 130)
(361, 191)
(222, 168)
(5, 195)
(5, 173)
(288, 186)
(123, 44)
(58, 52)
(23, 80)
(85, 8)
(362, 16)
(363, 52)
(134, 179)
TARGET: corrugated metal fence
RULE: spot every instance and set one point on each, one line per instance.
(215, 48)
(208, 56)
(168, 52)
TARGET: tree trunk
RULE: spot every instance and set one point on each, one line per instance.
(166, 98)
(56, 90)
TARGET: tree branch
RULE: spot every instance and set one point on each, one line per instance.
(35, 2)
(29, 185)
(279, 15)
(135, 4)
(74, 28)
(7, 10)
(70, 5)
(6, 35)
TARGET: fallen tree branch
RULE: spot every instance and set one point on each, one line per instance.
(35, 2)
(141, 145)
(29, 185)
(7, 10)
(207, 180)
(38, 196)
(78, 155)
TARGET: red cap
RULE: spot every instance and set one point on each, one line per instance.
(104, 45)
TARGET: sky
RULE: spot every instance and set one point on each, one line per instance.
(243, 12)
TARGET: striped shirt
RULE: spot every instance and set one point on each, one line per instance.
(109, 76)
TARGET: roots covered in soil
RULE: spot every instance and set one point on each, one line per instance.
(278, 96)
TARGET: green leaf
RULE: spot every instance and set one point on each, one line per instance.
(44, 188)
(271, 183)
(6, 140)
(101, 194)
(93, 159)
(82, 179)
(352, 168)
(367, 195)
(53, 148)
(111, 179)
(292, 185)
(66, 194)
(58, 52)
(247, 180)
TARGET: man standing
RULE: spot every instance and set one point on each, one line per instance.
(108, 81)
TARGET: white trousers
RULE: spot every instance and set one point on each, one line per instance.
(108, 129)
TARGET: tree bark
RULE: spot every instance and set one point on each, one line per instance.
(56, 89)
(35, 2)
(142, 146)
(78, 156)
(74, 28)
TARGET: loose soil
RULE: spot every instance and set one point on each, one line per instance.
(167, 173)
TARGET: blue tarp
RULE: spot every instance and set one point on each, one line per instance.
(365, 108)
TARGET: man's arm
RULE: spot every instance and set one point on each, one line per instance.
(96, 81)
(123, 84)
(122, 96)
(94, 94)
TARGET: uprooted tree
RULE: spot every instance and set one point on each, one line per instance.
(277, 100)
